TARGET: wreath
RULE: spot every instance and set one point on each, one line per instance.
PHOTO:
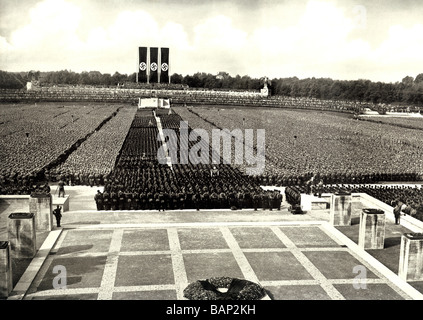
(224, 288)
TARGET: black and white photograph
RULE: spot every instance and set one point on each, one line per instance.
(211, 158)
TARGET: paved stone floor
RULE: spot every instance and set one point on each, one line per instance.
(151, 255)
(292, 261)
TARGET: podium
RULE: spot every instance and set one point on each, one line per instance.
(6, 276)
(309, 202)
(372, 229)
(62, 202)
(40, 204)
(22, 235)
(411, 257)
(340, 209)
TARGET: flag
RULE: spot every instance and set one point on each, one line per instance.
(154, 65)
(142, 64)
(164, 65)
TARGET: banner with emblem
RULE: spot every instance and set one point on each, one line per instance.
(164, 65)
(142, 64)
(154, 64)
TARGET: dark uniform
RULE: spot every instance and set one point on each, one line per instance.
(240, 198)
(91, 179)
(136, 200)
(150, 201)
(114, 200)
(106, 200)
(61, 188)
(205, 200)
(278, 200)
(58, 215)
(264, 200)
(214, 200)
(223, 202)
(99, 200)
(181, 200)
(196, 198)
(143, 201)
(121, 200)
(256, 200)
(128, 201)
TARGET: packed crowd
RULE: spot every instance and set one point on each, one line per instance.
(411, 197)
(97, 154)
(139, 182)
(337, 147)
(36, 137)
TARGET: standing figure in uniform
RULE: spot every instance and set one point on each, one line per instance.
(58, 215)
(99, 200)
(256, 200)
(61, 188)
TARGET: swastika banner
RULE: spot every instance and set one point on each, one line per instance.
(154, 65)
(142, 64)
(164, 65)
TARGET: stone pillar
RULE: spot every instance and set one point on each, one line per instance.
(340, 209)
(40, 204)
(22, 235)
(411, 257)
(6, 280)
(372, 229)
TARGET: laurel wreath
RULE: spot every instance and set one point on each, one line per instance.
(211, 289)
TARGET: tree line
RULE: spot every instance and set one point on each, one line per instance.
(408, 91)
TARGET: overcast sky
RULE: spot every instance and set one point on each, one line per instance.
(344, 39)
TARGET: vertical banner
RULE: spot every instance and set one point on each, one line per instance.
(154, 52)
(164, 68)
(142, 64)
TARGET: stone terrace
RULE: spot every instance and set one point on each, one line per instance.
(151, 255)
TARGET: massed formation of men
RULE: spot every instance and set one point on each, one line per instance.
(157, 187)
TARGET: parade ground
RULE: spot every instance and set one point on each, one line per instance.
(150, 255)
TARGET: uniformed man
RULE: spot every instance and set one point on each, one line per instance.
(150, 200)
(121, 199)
(91, 179)
(205, 199)
(99, 200)
(136, 200)
(223, 201)
(181, 200)
(128, 200)
(214, 200)
(61, 188)
(58, 215)
(271, 200)
(231, 199)
(240, 199)
(256, 200)
(196, 198)
(106, 200)
(143, 200)
(114, 200)
(264, 200)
